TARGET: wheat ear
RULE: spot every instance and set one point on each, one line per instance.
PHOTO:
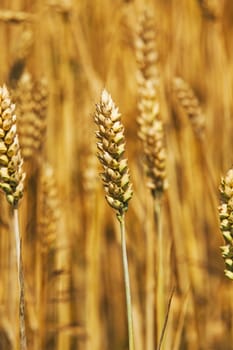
(31, 99)
(146, 50)
(188, 106)
(226, 221)
(116, 180)
(12, 184)
(185, 98)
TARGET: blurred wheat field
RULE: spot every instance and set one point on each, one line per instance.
(56, 58)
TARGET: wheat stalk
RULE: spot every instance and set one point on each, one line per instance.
(116, 180)
(12, 183)
(151, 133)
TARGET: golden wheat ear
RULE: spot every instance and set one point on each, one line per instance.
(11, 162)
(151, 133)
(12, 184)
(146, 49)
(111, 147)
(116, 180)
(31, 99)
(48, 208)
(151, 129)
(185, 100)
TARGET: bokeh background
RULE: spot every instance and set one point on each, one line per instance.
(70, 238)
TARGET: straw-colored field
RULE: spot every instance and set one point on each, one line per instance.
(56, 57)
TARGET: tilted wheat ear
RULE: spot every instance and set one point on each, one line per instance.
(186, 100)
(226, 221)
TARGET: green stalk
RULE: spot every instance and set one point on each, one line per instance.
(121, 219)
(22, 332)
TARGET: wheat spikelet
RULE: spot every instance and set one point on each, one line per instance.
(185, 99)
(48, 209)
(111, 146)
(32, 100)
(146, 51)
(11, 162)
(226, 221)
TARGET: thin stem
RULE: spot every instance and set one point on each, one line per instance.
(150, 285)
(121, 219)
(23, 340)
(160, 263)
(166, 320)
(17, 238)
